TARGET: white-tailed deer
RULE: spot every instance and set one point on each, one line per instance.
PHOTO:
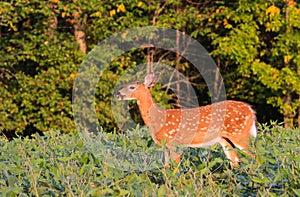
(229, 123)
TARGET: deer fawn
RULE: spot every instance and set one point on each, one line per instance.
(194, 127)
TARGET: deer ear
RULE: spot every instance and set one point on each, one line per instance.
(151, 79)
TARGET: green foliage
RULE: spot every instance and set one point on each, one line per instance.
(61, 165)
(255, 44)
(39, 55)
(263, 40)
(36, 71)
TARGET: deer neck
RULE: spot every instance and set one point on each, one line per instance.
(151, 113)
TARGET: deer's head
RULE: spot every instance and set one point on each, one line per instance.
(133, 90)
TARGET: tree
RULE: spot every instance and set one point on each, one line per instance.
(262, 39)
(255, 45)
(38, 57)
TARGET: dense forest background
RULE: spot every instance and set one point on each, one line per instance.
(255, 44)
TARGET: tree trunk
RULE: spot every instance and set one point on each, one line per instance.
(177, 67)
(52, 21)
(299, 113)
(288, 122)
(79, 30)
(217, 85)
(288, 117)
(80, 36)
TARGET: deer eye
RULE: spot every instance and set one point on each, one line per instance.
(131, 87)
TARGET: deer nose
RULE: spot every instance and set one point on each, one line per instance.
(119, 95)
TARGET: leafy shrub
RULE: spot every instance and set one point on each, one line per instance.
(60, 164)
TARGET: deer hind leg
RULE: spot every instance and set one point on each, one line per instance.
(171, 154)
(229, 152)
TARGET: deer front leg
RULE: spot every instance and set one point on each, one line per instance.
(244, 146)
(229, 152)
(171, 154)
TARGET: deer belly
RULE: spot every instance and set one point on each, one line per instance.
(204, 143)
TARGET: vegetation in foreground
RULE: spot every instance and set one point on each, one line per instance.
(61, 165)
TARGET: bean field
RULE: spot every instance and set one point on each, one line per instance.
(62, 165)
